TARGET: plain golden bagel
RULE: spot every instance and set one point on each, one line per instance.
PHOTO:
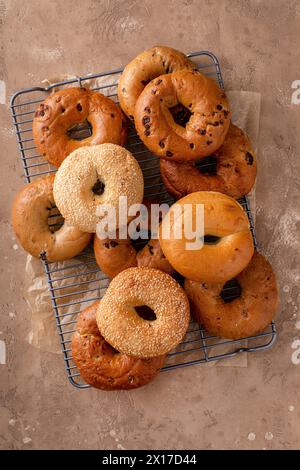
(244, 316)
(115, 255)
(158, 60)
(206, 128)
(30, 212)
(102, 366)
(63, 110)
(234, 169)
(144, 313)
(95, 175)
(228, 243)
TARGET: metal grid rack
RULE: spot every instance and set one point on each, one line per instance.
(76, 283)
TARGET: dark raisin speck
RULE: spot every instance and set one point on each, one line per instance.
(123, 90)
(192, 146)
(221, 122)
(153, 91)
(150, 248)
(62, 110)
(112, 115)
(79, 107)
(113, 243)
(147, 109)
(219, 107)
(106, 245)
(209, 142)
(202, 131)
(225, 112)
(146, 119)
(169, 153)
(147, 132)
(158, 82)
(131, 117)
(249, 158)
(161, 144)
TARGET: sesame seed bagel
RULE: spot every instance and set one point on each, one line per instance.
(150, 293)
(234, 170)
(145, 67)
(206, 128)
(228, 243)
(246, 315)
(95, 175)
(30, 212)
(63, 110)
(102, 366)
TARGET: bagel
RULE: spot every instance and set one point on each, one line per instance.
(67, 108)
(228, 243)
(244, 316)
(102, 366)
(206, 128)
(144, 313)
(30, 212)
(95, 175)
(115, 255)
(234, 169)
(145, 67)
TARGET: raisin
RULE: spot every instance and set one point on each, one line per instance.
(219, 107)
(190, 105)
(150, 248)
(113, 244)
(221, 122)
(225, 112)
(161, 144)
(153, 91)
(123, 90)
(79, 107)
(145, 82)
(158, 82)
(146, 119)
(147, 132)
(192, 145)
(249, 158)
(202, 131)
(131, 117)
(209, 142)
(62, 110)
(169, 153)
(106, 245)
(147, 109)
(112, 115)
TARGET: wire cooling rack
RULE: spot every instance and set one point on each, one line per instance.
(76, 283)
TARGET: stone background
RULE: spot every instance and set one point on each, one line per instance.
(201, 407)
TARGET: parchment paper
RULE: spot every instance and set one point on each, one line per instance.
(245, 108)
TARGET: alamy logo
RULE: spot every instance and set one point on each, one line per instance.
(181, 222)
(296, 94)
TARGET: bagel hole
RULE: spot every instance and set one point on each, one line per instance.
(180, 114)
(55, 219)
(231, 291)
(145, 312)
(98, 187)
(80, 131)
(207, 165)
(211, 240)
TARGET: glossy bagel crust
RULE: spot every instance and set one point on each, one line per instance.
(115, 255)
(102, 366)
(112, 167)
(30, 212)
(125, 330)
(206, 128)
(158, 60)
(66, 108)
(223, 218)
(244, 316)
(235, 170)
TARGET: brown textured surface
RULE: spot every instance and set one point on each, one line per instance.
(245, 316)
(202, 407)
(127, 331)
(66, 108)
(103, 367)
(235, 169)
(203, 133)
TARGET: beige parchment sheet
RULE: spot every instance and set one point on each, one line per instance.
(43, 334)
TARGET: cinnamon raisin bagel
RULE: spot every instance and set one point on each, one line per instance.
(115, 255)
(144, 313)
(30, 213)
(95, 175)
(63, 110)
(206, 128)
(100, 365)
(145, 67)
(244, 316)
(227, 245)
(231, 169)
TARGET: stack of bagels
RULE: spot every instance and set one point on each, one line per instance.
(184, 118)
